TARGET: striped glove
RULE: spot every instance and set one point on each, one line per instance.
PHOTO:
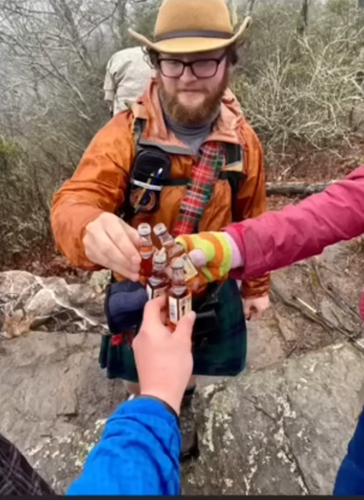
(211, 252)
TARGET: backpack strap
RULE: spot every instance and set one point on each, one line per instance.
(234, 173)
(138, 129)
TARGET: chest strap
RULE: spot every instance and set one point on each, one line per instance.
(223, 176)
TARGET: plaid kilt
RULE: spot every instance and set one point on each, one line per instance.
(225, 354)
(17, 477)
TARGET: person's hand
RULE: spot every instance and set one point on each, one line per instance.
(255, 307)
(210, 252)
(113, 244)
(164, 359)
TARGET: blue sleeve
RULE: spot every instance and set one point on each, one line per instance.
(350, 478)
(138, 454)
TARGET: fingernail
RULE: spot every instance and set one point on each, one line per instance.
(191, 315)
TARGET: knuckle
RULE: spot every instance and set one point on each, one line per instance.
(104, 217)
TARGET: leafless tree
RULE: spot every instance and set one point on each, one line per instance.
(250, 7)
(303, 18)
(52, 60)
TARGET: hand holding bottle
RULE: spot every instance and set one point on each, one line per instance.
(111, 243)
(164, 359)
(213, 253)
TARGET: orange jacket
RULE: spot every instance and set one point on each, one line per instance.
(100, 181)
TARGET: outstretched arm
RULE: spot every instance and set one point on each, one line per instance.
(138, 454)
(277, 239)
(139, 451)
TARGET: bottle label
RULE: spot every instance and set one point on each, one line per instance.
(154, 293)
(179, 308)
(184, 306)
(189, 269)
(173, 310)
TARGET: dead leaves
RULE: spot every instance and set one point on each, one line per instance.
(16, 325)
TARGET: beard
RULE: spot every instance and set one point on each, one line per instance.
(202, 113)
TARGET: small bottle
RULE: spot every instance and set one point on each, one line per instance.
(159, 282)
(175, 250)
(146, 250)
(179, 295)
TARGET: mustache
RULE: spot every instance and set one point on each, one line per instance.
(200, 91)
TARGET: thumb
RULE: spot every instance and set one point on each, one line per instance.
(153, 313)
(198, 258)
(185, 327)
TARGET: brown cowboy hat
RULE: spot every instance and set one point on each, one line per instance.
(190, 26)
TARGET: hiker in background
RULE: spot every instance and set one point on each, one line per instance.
(278, 239)
(189, 127)
(127, 74)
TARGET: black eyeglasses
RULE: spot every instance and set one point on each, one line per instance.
(202, 68)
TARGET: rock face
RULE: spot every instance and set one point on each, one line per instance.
(279, 431)
(54, 400)
(282, 430)
(31, 302)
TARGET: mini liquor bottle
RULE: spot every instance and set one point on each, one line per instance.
(146, 250)
(159, 282)
(179, 295)
(174, 251)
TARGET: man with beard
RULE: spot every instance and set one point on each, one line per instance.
(183, 156)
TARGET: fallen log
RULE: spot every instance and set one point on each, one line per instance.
(296, 188)
(316, 316)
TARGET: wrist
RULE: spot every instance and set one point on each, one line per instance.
(237, 260)
(165, 398)
(151, 405)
